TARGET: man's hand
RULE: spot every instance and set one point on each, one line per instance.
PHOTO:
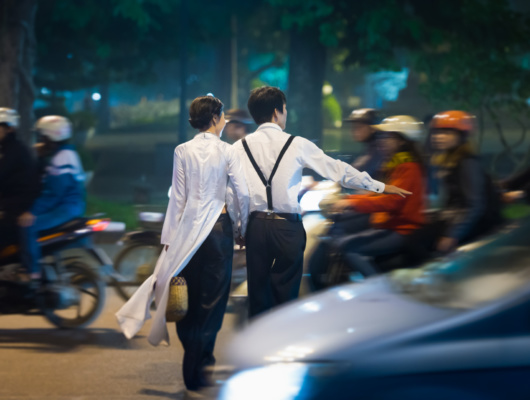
(341, 205)
(26, 220)
(240, 240)
(446, 245)
(391, 189)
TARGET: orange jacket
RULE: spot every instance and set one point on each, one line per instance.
(390, 211)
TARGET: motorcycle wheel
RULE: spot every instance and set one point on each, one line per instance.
(135, 263)
(91, 291)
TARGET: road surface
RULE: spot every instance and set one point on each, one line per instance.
(40, 362)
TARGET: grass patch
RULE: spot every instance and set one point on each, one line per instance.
(516, 211)
(120, 212)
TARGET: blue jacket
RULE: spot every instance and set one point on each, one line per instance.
(62, 184)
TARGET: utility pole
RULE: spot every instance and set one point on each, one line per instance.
(183, 49)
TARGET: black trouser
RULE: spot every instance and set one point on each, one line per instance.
(275, 258)
(208, 276)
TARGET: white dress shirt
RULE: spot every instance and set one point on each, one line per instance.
(202, 168)
(265, 145)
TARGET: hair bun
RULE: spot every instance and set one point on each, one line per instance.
(202, 111)
(198, 122)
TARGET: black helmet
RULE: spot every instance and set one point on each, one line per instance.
(367, 116)
(238, 115)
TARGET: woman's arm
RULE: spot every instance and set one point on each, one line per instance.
(177, 198)
(239, 184)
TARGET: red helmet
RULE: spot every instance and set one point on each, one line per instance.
(458, 120)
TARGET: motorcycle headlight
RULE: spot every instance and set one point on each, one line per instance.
(281, 381)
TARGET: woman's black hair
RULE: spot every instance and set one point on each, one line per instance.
(202, 111)
(417, 154)
(414, 150)
(263, 101)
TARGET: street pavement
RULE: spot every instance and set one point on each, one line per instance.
(39, 361)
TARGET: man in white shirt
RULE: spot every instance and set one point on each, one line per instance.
(273, 162)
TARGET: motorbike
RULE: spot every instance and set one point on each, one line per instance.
(136, 261)
(141, 248)
(72, 293)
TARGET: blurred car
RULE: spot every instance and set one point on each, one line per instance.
(457, 328)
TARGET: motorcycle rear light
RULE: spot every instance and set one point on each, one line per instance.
(98, 225)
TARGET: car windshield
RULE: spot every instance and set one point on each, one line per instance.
(478, 273)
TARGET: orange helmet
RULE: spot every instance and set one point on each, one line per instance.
(458, 120)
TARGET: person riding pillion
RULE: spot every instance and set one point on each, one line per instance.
(471, 205)
(273, 162)
(392, 219)
(62, 197)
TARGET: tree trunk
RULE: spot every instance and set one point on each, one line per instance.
(183, 55)
(17, 55)
(307, 61)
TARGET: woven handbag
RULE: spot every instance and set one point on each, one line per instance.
(177, 302)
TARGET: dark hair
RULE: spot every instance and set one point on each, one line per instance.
(413, 149)
(202, 111)
(416, 153)
(263, 101)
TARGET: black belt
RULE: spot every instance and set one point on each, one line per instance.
(273, 215)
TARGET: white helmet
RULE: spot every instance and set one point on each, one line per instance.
(9, 117)
(407, 126)
(54, 127)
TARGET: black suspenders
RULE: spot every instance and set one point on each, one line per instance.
(266, 182)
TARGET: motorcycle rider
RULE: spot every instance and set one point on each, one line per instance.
(391, 219)
(62, 198)
(472, 205)
(362, 121)
(19, 186)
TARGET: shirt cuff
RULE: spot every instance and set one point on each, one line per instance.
(368, 183)
(378, 187)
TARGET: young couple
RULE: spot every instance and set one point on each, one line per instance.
(248, 191)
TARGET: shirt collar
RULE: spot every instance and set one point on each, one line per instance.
(208, 135)
(267, 125)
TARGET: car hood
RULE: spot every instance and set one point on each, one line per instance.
(328, 326)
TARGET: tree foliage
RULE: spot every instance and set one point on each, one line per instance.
(84, 43)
